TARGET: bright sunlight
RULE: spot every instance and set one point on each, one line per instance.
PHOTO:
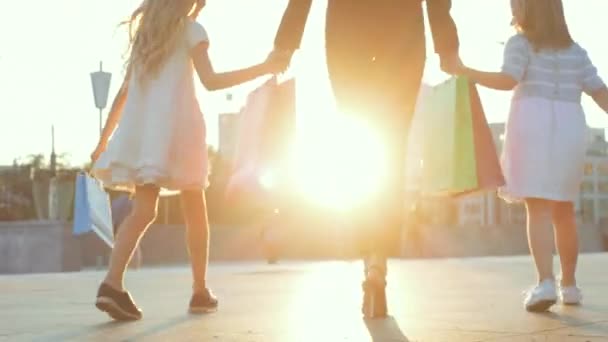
(339, 164)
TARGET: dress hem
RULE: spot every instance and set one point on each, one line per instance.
(511, 196)
(128, 180)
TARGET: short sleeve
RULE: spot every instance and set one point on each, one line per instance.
(196, 34)
(516, 57)
(590, 80)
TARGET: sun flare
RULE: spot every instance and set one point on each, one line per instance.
(337, 163)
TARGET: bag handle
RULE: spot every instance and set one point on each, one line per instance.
(88, 173)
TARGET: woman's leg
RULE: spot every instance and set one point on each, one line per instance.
(130, 232)
(566, 240)
(376, 78)
(539, 237)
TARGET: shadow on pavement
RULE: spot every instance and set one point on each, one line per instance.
(157, 329)
(84, 331)
(131, 330)
(385, 330)
(597, 326)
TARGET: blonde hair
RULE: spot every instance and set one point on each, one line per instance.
(544, 24)
(156, 28)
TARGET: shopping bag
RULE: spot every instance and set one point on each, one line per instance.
(92, 211)
(488, 170)
(266, 128)
(448, 148)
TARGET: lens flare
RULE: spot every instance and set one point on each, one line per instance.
(340, 165)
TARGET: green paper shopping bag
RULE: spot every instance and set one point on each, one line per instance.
(448, 152)
(489, 172)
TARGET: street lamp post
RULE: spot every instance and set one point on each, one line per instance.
(101, 87)
(53, 163)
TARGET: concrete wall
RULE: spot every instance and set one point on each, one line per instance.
(471, 241)
(166, 244)
(32, 247)
(37, 246)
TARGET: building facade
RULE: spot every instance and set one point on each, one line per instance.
(228, 135)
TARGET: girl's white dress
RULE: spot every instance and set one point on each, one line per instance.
(161, 136)
(545, 138)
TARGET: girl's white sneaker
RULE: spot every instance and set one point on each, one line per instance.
(570, 295)
(541, 297)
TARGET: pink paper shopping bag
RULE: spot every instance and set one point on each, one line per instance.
(267, 123)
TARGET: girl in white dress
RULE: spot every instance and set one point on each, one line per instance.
(154, 138)
(544, 145)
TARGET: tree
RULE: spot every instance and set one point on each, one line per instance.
(39, 161)
(16, 194)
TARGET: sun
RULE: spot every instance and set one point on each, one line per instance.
(337, 164)
(336, 161)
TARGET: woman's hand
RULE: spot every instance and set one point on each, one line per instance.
(278, 61)
(451, 63)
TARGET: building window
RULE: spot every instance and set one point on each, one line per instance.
(602, 169)
(603, 187)
(587, 187)
(588, 169)
(603, 208)
(588, 211)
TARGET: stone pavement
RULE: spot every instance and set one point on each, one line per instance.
(431, 300)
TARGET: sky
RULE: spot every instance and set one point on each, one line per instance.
(49, 48)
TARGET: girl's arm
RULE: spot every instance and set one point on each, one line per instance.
(116, 110)
(515, 62)
(216, 81)
(601, 98)
(113, 117)
(493, 80)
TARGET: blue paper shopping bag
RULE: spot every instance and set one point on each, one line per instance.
(92, 211)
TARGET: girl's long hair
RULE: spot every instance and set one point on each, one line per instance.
(544, 24)
(156, 28)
